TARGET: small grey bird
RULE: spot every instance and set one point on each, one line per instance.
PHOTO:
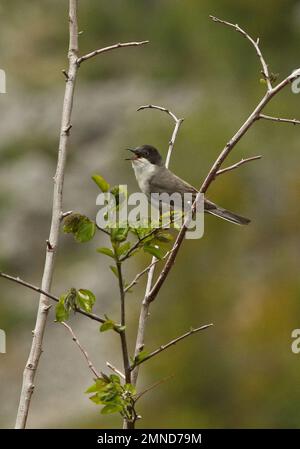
(153, 177)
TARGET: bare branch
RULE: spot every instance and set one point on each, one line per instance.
(151, 387)
(173, 342)
(38, 334)
(86, 356)
(139, 275)
(177, 121)
(115, 370)
(255, 43)
(279, 119)
(49, 295)
(122, 332)
(238, 164)
(109, 48)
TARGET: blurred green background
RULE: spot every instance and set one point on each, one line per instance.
(241, 372)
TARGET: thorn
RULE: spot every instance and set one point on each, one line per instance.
(65, 73)
(50, 247)
(65, 214)
(67, 129)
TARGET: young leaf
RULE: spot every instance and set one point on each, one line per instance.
(140, 357)
(106, 251)
(114, 270)
(123, 248)
(130, 388)
(85, 299)
(109, 324)
(86, 230)
(111, 408)
(154, 250)
(61, 313)
(119, 234)
(115, 379)
(164, 237)
(101, 183)
(97, 386)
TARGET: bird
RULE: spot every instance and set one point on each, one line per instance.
(154, 177)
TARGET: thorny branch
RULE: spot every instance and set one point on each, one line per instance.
(85, 354)
(49, 295)
(109, 48)
(172, 342)
(57, 212)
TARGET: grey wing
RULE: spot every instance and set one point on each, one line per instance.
(166, 181)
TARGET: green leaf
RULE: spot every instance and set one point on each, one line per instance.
(109, 324)
(140, 357)
(119, 234)
(114, 270)
(106, 251)
(154, 251)
(130, 388)
(123, 248)
(95, 399)
(97, 386)
(111, 408)
(164, 237)
(115, 379)
(71, 223)
(85, 299)
(101, 183)
(61, 313)
(86, 230)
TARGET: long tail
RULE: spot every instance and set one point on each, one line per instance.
(225, 214)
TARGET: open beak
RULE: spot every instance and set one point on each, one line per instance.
(135, 156)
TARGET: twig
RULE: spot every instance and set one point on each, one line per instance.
(49, 295)
(137, 244)
(255, 43)
(151, 387)
(109, 48)
(172, 342)
(144, 312)
(279, 119)
(139, 275)
(66, 214)
(36, 347)
(177, 121)
(86, 356)
(123, 324)
(238, 164)
(115, 370)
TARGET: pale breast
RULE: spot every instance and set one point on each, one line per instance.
(144, 171)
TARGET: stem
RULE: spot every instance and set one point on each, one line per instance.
(93, 316)
(127, 424)
(38, 333)
(173, 342)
